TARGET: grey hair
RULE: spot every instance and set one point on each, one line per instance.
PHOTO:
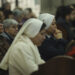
(17, 12)
(8, 22)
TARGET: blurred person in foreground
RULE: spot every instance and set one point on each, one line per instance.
(23, 57)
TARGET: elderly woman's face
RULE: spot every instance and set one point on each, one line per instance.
(39, 38)
(12, 30)
(1, 28)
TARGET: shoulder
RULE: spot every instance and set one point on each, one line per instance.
(21, 47)
(3, 40)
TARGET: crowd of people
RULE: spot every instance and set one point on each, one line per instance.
(31, 45)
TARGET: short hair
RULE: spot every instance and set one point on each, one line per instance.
(63, 11)
(8, 22)
(17, 12)
(27, 11)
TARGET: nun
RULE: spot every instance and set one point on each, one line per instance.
(54, 44)
(23, 57)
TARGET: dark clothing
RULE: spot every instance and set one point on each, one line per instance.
(7, 13)
(3, 72)
(7, 36)
(67, 27)
(73, 23)
(52, 47)
(5, 42)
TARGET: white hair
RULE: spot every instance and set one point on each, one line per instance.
(8, 22)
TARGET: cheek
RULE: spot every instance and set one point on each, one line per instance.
(13, 31)
(38, 39)
(41, 39)
(51, 28)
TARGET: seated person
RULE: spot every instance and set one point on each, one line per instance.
(6, 37)
(63, 16)
(54, 43)
(23, 57)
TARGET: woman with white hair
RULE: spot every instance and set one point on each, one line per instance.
(10, 27)
(23, 57)
(54, 43)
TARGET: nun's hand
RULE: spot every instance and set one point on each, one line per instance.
(58, 34)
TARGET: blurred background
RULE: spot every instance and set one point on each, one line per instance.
(38, 5)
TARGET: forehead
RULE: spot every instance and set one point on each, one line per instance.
(13, 25)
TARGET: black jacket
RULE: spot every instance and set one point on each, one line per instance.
(52, 47)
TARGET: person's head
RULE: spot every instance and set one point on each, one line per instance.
(1, 28)
(40, 37)
(50, 22)
(10, 26)
(59, 12)
(11, 15)
(6, 6)
(18, 15)
(1, 16)
(33, 29)
(28, 13)
(64, 12)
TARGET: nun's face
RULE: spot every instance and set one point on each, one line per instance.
(52, 27)
(39, 38)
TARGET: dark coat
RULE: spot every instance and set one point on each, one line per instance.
(5, 42)
(65, 27)
(52, 47)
